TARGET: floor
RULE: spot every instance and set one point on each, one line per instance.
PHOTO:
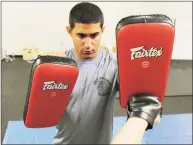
(15, 77)
(173, 129)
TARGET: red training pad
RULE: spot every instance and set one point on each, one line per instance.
(50, 88)
(144, 50)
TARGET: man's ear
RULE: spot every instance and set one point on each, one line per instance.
(103, 29)
(69, 30)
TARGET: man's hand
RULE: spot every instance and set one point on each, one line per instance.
(145, 107)
(157, 120)
(133, 131)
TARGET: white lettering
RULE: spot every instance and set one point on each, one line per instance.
(141, 52)
(51, 85)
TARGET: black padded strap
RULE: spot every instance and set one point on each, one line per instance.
(154, 18)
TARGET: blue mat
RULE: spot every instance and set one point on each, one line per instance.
(173, 129)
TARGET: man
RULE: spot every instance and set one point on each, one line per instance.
(89, 115)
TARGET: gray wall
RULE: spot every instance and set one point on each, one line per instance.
(180, 78)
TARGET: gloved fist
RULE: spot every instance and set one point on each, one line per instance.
(145, 107)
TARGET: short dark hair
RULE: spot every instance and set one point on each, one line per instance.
(87, 13)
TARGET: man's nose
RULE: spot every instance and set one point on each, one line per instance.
(88, 42)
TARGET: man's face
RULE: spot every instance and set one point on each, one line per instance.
(86, 39)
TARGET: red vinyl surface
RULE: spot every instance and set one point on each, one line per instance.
(47, 102)
(144, 70)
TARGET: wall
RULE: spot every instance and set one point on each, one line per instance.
(42, 24)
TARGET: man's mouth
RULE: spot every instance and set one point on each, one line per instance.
(88, 52)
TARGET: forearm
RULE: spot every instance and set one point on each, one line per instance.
(132, 132)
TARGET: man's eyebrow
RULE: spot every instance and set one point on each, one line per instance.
(87, 34)
(95, 33)
(81, 33)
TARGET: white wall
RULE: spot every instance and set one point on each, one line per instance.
(42, 24)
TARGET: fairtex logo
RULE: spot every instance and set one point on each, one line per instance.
(141, 52)
(51, 85)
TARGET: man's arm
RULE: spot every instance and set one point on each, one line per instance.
(132, 132)
(117, 81)
(143, 112)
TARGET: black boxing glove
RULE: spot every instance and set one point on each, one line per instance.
(145, 107)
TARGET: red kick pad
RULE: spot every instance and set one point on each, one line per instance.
(144, 50)
(51, 84)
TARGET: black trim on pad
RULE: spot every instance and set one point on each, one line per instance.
(153, 18)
